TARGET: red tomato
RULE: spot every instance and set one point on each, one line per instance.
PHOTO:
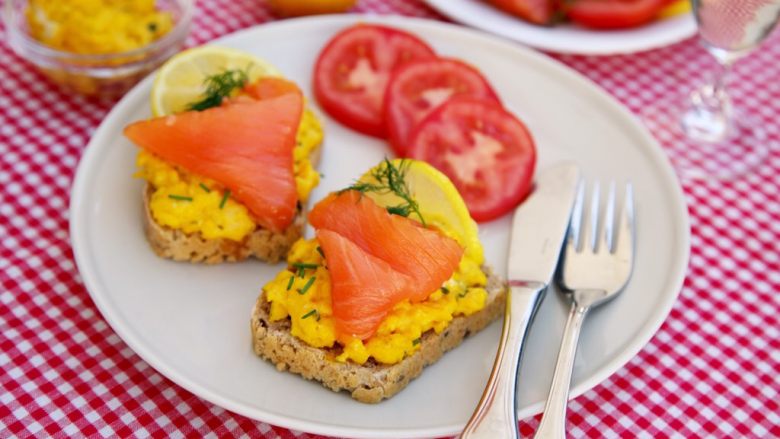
(613, 14)
(486, 151)
(352, 71)
(418, 87)
(535, 11)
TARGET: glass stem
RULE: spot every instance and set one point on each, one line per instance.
(709, 117)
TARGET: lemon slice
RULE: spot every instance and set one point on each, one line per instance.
(180, 81)
(439, 202)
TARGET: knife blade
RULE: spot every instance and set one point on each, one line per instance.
(539, 225)
(538, 231)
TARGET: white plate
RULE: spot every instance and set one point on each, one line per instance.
(191, 322)
(566, 38)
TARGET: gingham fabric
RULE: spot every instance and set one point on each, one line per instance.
(713, 369)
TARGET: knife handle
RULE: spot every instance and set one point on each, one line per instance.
(496, 415)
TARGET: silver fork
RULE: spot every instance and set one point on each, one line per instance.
(592, 272)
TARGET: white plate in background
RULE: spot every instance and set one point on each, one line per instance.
(567, 38)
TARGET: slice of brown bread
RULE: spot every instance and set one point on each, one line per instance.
(262, 243)
(370, 382)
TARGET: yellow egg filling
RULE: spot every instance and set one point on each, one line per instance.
(193, 204)
(97, 26)
(302, 294)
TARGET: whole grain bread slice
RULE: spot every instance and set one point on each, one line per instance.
(261, 243)
(371, 382)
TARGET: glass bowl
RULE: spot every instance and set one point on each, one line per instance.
(108, 75)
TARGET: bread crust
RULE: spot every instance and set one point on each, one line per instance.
(371, 382)
(261, 243)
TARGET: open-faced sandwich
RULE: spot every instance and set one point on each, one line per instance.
(393, 278)
(228, 173)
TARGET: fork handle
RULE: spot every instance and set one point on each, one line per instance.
(496, 416)
(553, 425)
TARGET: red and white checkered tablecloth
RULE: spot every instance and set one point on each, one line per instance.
(713, 369)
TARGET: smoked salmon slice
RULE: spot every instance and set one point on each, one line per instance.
(270, 87)
(427, 256)
(247, 147)
(364, 288)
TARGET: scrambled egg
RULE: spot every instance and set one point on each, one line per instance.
(97, 26)
(302, 293)
(193, 204)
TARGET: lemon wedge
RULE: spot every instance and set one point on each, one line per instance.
(439, 202)
(180, 81)
(677, 8)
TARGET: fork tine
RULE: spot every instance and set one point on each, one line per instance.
(591, 230)
(608, 238)
(625, 239)
(575, 225)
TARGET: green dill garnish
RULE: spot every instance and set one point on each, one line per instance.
(445, 290)
(416, 341)
(301, 268)
(311, 313)
(224, 198)
(308, 285)
(390, 179)
(463, 294)
(319, 250)
(220, 86)
(179, 197)
(304, 265)
(398, 210)
(205, 188)
(152, 27)
(290, 283)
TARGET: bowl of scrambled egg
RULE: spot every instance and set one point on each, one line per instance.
(97, 47)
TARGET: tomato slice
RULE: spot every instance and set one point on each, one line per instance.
(418, 87)
(614, 14)
(486, 151)
(535, 11)
(352, 71)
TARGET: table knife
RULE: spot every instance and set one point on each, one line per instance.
(538, 232)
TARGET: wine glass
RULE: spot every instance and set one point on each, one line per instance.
(704, 135)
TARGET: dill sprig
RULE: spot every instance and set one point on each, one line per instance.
(391, 179)
(225, 197)
(308, 285)
(304, 265)
(179, 197)
(301, 267)
(311, 313)
(220, 86)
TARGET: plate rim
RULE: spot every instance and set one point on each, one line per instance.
(90, 278)
(687, 29)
